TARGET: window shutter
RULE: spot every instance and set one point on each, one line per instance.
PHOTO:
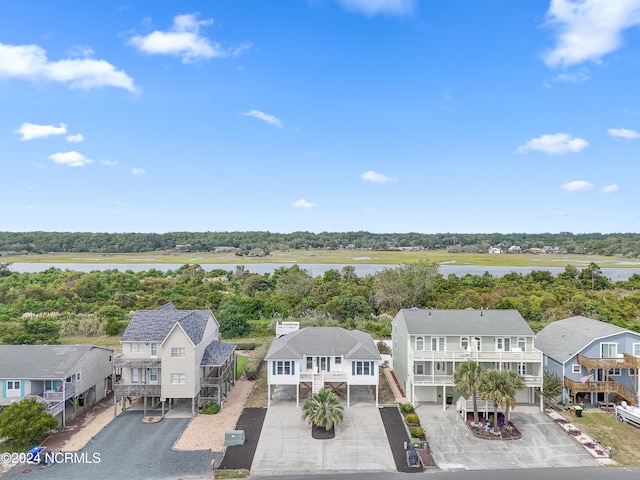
(372, 366)
(53, 384)
(4, 388)
(293, 367)
(328, 364)
(274, 367)
(353, 368)
(22, 388)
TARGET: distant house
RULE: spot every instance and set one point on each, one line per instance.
(550, 250)
(428, 345)
(495, 249)
(225, 249)
(536, 250)
(514, 249)
(170, 354)
(313, 358)
(595, 360)
(183, 248)
(350, 246)
(62, 376)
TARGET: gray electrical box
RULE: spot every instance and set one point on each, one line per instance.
(234, 437)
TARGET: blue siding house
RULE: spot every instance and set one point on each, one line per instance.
(596, 360)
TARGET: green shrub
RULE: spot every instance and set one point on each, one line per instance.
(211, 408)
(253, 365)
(412, 419)
(406, 408)
(417, 432)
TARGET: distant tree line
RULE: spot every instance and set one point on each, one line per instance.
(45, 306)
(619, 244)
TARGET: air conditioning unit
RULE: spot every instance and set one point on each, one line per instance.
(234, 437)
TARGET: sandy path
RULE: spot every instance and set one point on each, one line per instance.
(206, 432)
(90, 428)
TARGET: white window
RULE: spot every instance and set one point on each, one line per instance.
(135, 375)
(78, 377)
(135, 348)
(49, 384)
(522, 369)
(438, 343)
(614, 372)
(283, 367)
(68, 379)
(362, 368)
(420, 368)
(576, 368)
(522, 343)
(153, 376)
(309, 363)
(419, 343)
(178, 352)
(503, 344)
(464, 343)
(338, 360)
(154, 350)
(608, 350)
(636, 349)
(178, 378)
(13, 388)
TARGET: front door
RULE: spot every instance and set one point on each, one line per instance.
(440, 368)
(323, 364)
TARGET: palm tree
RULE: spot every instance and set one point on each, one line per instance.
(493, 390)
(468, 377)
(323, 409)
(513, 383)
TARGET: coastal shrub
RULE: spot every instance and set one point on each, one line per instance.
(252, 367)
(412, 419)
(211, 408)
(406, 408)
(417, 432)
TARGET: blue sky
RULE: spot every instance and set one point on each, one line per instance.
(320, 115)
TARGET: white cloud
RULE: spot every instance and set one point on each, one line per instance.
(589, 29)
(375, 177)
(29, 131)
(108, 163)
(71, 159)
(265, 117)
(302, 203)
(577, 186)
(76, 138)
(613, 188)
(577, 77)
(555, 144)
(81, 51)
(374, 7)
(184, 40)
(623, 133)
(138, 171)
(29, 62)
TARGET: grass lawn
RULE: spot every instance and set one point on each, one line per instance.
(609, 432)
(111, 341)
(258, 396)
(338, 257)
(240, 361)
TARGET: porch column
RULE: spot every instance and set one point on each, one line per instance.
(444, 397)
(144, 408)
(348, 394)
(298, 395)
(64, 403)
(377, 388)
(268, 395)
(115, 405)
(193, 406)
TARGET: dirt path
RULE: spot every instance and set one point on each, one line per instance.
(206, 432)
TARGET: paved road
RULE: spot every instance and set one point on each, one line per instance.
(128, 449)
(581, 473)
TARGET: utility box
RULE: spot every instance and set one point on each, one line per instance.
(234, 437)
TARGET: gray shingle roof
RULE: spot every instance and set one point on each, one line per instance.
(562, 339)
(40, 362)
(155, 325)
(463, 322)
(216, 353)
(319, 341)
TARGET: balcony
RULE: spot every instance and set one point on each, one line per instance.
(326, 376)
(60, 396)
(624, 361)
(608, 386)
(438, 379)
(127, 362)
(137, 389)
(462, 356)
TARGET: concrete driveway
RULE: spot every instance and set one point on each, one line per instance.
(286, 445)
(127, 448)
(543, 443)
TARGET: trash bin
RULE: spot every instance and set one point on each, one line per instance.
(449, 398)
(578, 410)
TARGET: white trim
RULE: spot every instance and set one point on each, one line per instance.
(574, 369)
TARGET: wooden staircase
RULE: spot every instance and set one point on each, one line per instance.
(318, 383)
